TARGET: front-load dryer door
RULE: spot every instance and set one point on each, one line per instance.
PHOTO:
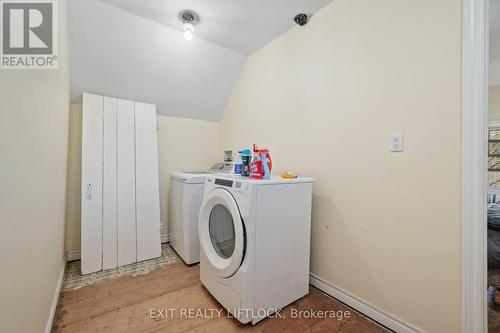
(222, 235)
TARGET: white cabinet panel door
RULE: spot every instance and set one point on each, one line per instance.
(147, 186)
(127, 252)
(92, 150)
(109, 215)
(120, 183)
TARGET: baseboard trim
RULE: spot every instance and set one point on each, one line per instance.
(55, 300)
(75, 254)
(165, 239)
(369, 310)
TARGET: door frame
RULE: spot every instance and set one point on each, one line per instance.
(474, 197)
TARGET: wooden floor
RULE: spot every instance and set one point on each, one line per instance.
(124, 305)
(494, 315)
(494, 319)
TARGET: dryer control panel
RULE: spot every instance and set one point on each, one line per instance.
(237, 186)
(239, 189)
(224, 182)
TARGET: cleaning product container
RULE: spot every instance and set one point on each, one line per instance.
(261, 165)
(246, 158)
(238, 165)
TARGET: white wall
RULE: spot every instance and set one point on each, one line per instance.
(325, 99)
(494, 75)
(34, 109)
(183, 144)
(494, 104)
(116, 53)
(74, 193)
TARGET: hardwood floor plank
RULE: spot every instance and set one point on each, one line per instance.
(124, 305)
(109, 295)
(135, 317)
(222, 325)
(296, 314)
(356, 324)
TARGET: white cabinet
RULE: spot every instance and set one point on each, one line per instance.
(120, 189)
(125, 148)
(109, 177)
(147, 189)
(92, 149)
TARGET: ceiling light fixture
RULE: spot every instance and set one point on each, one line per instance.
(189, 20)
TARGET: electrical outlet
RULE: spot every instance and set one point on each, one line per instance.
(397, 143)
(90, 192)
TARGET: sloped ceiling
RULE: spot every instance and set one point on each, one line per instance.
(240, 25)
(129, 54)
(116, 53)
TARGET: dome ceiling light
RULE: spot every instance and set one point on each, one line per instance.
(189, 19)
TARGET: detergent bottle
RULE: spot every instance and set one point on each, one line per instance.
(256, 166)
(242, 162)
(261, 165)
(238, 166)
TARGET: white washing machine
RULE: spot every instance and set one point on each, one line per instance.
(186, 190)
(255, 243)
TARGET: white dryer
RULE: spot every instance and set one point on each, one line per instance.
(186, 190)
(255, 243)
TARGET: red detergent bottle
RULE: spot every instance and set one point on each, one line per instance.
(261, 165)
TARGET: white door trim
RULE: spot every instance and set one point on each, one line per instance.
(475, 125)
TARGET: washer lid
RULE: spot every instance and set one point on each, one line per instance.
(225, 167)
(197, 177)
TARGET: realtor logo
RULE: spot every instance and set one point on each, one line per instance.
(29, 34)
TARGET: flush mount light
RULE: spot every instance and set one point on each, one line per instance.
(189, 20)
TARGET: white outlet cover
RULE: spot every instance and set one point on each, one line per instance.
(397, 142)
